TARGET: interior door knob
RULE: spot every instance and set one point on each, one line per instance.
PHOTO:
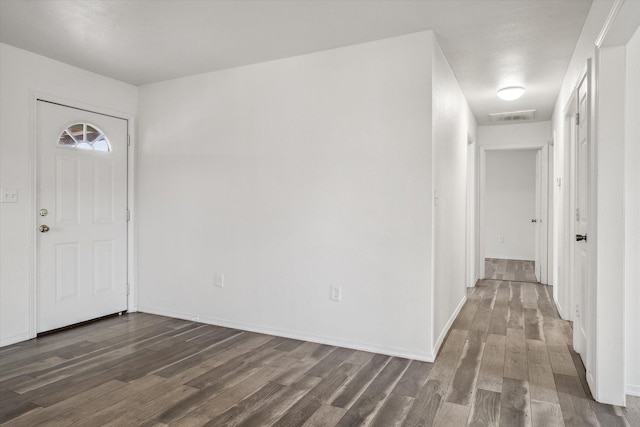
(580, 237)
(534, 220)
(44, 228)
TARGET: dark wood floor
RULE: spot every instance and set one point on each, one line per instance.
(507, 361)
(509, 269)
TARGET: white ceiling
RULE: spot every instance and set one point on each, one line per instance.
(488, 43)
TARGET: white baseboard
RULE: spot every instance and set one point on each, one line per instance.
(474, 282)
(14, 339)
(514, 258)
(446, 328)
(632, 390)
(298, 335)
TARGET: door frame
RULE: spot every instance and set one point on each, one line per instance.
(566, 223)
(544, 198)
(471, 276)
(132, 301)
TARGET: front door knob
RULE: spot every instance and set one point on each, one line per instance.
(581, 237)
(44, 228)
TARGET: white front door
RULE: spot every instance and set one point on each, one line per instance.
(581, 245)
(82, 215)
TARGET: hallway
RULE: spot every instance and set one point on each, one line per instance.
(507, 361)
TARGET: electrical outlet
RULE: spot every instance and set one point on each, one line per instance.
(336, 293)
(219, 280)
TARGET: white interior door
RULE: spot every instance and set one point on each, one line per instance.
(82, 215)
(581, 245)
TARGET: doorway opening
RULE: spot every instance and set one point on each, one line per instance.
(513, 213)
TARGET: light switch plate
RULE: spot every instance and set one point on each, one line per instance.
(9, 195)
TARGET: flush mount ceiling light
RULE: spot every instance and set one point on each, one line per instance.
(510, 93)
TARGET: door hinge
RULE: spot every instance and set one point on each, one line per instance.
(128, 289)
(128, 140)
(577, 118)
(128, 215)
(577, 214)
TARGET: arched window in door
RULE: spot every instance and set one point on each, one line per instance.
(85, 137)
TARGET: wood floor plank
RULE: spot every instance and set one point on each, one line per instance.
(516, 313)
(515, 409)
(492, 366)
(545, 303)
(413, 379)
(500, 314)
(145, 411)
(426, 404)
(480, 326)
(561, 361)
(373, 396)
(393, 411)
(533, 324)
(447, 360)
(289, 344)
(489, 295)
(235, 414)
(485, 411)
(235, 393)
(325, 415)
(545, 414)
(226, 378)
(336, 357)
(273, 409)
(304, 408)
(611, 420)
(575, 407)
(529, 298)
(462, 385)
(452, 415)
(360, 358)
(542, 385)
(360, 380)
(467, 313)
(43, 415)
(515, 358)
(80, 412)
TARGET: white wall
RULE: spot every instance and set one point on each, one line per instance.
(22, 75)
(536, 133)
(510, 200)
(452, 122)
(610, 226)
(632, 213)
(288, 177)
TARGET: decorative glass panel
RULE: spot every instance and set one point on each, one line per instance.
(85, 137)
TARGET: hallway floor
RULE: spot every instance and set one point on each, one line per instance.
(507, 361)
(510, 269)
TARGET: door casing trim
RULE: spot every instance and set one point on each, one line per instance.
(544, 196)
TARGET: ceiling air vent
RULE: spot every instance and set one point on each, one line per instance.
(513, 116)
